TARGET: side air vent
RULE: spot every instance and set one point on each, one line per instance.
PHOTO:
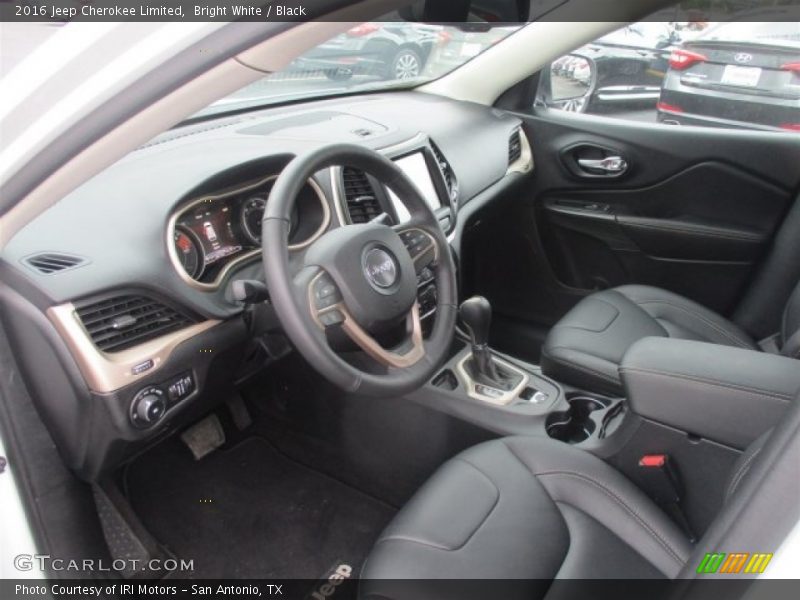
(514, 148)
(53, 262)
(447, 172)
(362, 205)
(119, 322)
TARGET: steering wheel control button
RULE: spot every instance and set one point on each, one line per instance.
(415, 240)
(148, 407)
(380, 268)
(331, 318)
(420, 246)
(425, 277)
(427, 299)
(325, 292)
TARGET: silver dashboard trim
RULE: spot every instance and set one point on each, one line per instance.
(214, 285)
(336, 178)
(106, 372)
(524, 164)
(507, 397)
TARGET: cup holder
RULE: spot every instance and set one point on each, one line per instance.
(575, 425)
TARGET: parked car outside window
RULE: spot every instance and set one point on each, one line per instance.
(741, 74)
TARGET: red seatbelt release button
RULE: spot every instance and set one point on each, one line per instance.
(653, 460)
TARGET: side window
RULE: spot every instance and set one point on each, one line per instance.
(736, 74)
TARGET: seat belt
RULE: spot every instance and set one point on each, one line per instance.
(770, 344)
(661, 482)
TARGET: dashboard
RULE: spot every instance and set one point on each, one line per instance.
(138, 327)
(121, 224)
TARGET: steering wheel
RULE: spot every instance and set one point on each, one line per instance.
(360, 278)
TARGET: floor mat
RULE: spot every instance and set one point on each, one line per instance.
(250, 512)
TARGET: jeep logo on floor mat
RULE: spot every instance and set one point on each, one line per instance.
(328, 587)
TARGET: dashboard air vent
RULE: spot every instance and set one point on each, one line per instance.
(362, 205)
(447, 172)
(52, 262)
(514, 147)
(123, 321)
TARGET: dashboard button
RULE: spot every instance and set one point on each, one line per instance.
(142, 367)
(489, 392)
(148, 407)
(180, 388)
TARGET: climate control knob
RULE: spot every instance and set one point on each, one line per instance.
(148, 406)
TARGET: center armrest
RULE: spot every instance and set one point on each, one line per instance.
(729, 395)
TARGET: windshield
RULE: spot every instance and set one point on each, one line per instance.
(370, 56)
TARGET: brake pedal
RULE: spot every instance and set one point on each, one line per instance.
(204, 437)
(239, 413)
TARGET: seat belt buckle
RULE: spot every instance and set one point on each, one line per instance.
(660, 481)
(659, 478)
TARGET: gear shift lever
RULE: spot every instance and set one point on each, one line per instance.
(476, 314)
(489, 376)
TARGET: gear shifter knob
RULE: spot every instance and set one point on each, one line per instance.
(476, 314)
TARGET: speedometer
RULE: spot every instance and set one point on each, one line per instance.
(189, 252)
(252, 214)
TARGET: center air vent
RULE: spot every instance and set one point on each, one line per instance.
(123, 321)
(514, 147)
(52, 262)
(447, 172)
(362, 205)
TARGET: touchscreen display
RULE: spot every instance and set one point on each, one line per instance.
(415, 167)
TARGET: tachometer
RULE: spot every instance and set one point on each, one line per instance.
(252, 214)
(189, 252)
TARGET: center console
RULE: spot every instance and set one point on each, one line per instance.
(718, 394)
(509, 397)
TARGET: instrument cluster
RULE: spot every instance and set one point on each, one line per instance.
(209, 235)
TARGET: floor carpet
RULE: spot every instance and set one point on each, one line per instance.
(249, 512)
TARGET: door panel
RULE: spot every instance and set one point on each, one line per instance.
(694, 211)
(699, 233)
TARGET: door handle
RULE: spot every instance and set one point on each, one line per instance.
(611, 165)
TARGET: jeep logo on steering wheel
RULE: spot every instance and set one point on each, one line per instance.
(380, 268)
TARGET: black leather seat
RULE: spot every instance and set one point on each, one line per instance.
(535, 510)
(586, 346)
